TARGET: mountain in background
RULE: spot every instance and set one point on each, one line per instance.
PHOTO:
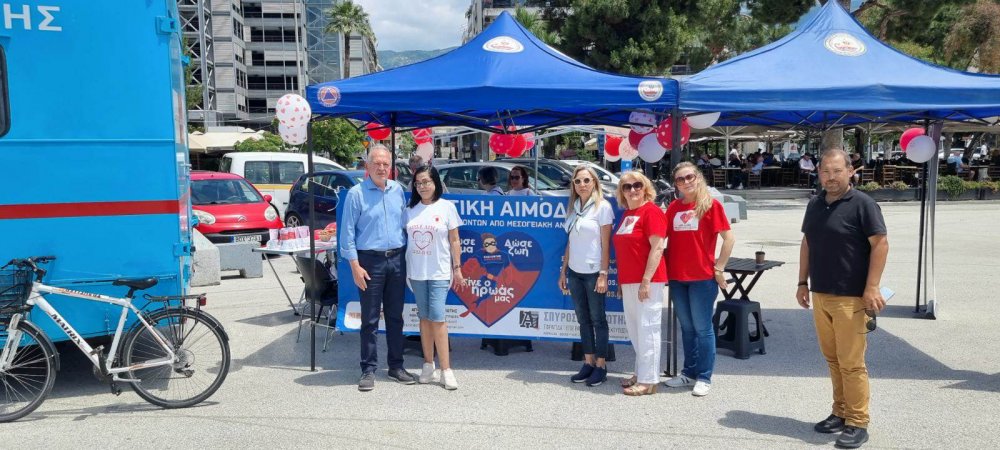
(390, 59)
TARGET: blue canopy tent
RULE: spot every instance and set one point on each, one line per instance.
(505, 76)
(831, 72)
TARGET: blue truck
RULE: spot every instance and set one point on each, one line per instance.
(93, 149)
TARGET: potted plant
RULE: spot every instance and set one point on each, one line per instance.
(951, 187)
(895, 192)
(989, 190)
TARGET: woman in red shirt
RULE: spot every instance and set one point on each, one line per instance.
(642, 275)
(694, 224)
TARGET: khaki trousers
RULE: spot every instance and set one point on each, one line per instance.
(840, 327)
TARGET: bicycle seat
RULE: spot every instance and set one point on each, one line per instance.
(136, 283)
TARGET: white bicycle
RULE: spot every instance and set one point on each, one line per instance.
(174, 356)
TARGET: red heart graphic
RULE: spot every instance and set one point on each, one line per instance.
(686, 216)
(490, 294)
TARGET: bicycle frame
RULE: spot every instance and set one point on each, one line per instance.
(36, 298)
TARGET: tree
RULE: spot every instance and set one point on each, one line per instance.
(270, 142)
(722, 29)
(347, 18)
(338, 139)
(536, 25)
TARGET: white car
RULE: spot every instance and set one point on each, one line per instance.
(604, 174)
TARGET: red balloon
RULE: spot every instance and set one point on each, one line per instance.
(520, 144)
(377, 134)
(665, 136)
(611, 144)
(422, 133)
(634, 138)
(908, 136)
(502, 144)
(424, 140)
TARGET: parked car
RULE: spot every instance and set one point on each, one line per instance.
(403, 174)
(229, 209)
(273, 172)
(558, 170)
(461, 178)
(326, 186)
(604, 174)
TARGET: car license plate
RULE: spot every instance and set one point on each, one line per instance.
(247, 238)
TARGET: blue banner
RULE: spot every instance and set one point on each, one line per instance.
(511, 288)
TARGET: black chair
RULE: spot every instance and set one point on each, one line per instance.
(736, 334)
(321, 290)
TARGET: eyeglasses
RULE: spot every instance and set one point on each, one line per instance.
(637, 186)
(515, 177)
(871, 322)
(490, 244)
(580, 181)
(685, 179)
(424, 183)
(380, 165)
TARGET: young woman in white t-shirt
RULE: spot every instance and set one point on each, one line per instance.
(518, 181)
(585, 270)
(433, 265)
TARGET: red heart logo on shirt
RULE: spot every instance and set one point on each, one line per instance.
(687, 216)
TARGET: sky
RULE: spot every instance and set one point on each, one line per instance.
(416, 24)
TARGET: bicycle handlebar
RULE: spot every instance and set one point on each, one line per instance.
(31, 263)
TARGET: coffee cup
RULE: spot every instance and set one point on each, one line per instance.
(760, 257)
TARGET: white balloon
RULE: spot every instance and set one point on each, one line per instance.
(642, 122)
(425, 151)
(610, 158)
(650, 149)
(292, 109)
(295, 135)
(921, 149)
(702, 121)
(626, 151)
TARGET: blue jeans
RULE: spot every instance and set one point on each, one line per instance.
(694, 302)
(430, 296)
(590, 314)
(384, 295)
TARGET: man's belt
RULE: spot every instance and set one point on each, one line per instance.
(385, 253)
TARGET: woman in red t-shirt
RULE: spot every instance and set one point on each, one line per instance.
(694, 224)
(642, 275)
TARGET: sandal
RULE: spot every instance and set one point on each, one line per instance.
(629, 382)
(640, 389)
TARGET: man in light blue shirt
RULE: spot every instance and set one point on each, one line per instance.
(372, 240)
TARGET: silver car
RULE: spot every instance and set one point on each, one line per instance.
(461, 178)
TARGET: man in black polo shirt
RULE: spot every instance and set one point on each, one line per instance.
(843, 254)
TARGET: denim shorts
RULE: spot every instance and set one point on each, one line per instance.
(430, 295)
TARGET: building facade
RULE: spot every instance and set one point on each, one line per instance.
(482, 13)
(245, 54)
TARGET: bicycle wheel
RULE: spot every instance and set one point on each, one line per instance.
(201, 360)
(29, 379)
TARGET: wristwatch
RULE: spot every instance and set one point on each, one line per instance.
(602, 272)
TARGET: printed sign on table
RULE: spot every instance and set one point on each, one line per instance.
(512, 250)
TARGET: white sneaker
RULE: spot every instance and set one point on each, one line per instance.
(450, 383)
(429, 374)
(679, 381)
(701, 389)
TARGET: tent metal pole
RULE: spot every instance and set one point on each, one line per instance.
(392, 143)
(312, 244)
(930, 290)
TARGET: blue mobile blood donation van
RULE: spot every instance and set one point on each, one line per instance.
(93, 149)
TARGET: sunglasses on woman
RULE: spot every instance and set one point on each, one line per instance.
(685, 179)
(515, 177)
(580, 181)
(637, 186)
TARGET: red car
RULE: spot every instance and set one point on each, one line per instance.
(230, 209)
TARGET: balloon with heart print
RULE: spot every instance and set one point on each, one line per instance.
(650, 149)
(501, 144)
(292, 110)
(293, 135)
(425, 151)
(611, 144)
(627, 152)
(703, 120)
(377, 131)
(665, 134)
(642, 121)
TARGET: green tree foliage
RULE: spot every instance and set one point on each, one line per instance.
(346, 18)
(722, 29)
(270, 143)
(536, 25)
(338, 139)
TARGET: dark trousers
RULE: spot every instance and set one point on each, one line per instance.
(384, 293)
(589, 313)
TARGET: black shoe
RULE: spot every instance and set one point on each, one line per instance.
(583, 374)
(598, 376)
(367, 382)
(402, 376)
(852, 437)
(832, 424)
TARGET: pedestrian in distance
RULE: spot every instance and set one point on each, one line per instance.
(642, 275)
(433, 267)
(487, 178)
(373, 239)
(695, 222)
(841, 259)
(518, 182)
(584, 272)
